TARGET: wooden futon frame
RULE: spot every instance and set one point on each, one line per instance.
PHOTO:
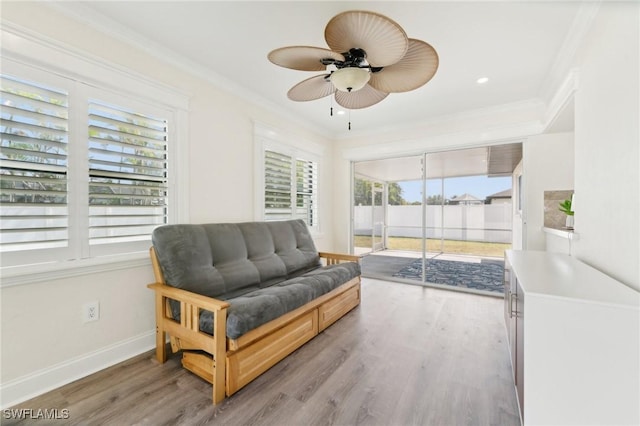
(229, 364)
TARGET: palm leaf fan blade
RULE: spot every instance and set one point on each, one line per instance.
(311, 89)
(384, 41)
(417, 67)
(303, 58)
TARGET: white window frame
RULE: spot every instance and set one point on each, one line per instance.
(33, 58)
(270, 139)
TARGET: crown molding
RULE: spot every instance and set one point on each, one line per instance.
(565, 57)
(561, 98)
(559, 70)
(111, 28)
(535, 107)
(25, 45)
(516, 132)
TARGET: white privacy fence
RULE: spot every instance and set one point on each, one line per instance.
(482, 222)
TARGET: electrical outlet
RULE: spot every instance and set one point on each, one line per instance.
(90, 311)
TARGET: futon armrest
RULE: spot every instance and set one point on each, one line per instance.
(204, 302)
(340, 256)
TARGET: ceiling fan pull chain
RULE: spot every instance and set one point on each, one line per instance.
(349, 119)
(331, 103)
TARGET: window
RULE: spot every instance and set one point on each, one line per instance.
(291, 187)
(84, 170)
(288, 184)
(127, 174)
(277, 186)
(306, 191)
(33, 168)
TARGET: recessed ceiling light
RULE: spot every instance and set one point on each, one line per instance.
(482, 80)
(341, 112)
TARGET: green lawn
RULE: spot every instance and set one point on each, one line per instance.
(450, 246)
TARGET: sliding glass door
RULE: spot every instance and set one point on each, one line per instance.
(418, 213)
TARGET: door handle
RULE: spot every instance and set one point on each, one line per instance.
(512, 312)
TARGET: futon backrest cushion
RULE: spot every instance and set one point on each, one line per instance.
(229, 259)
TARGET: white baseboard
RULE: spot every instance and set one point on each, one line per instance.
(29, 386)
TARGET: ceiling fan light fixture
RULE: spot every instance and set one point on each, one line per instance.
(350, 79)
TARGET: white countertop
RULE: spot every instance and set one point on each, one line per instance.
(560, 275)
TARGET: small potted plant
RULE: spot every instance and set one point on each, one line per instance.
(565, 207)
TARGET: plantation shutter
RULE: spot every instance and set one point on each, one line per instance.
(127, 174)
(33, 166)
(277, 184)
(306, 191)
(291, 188)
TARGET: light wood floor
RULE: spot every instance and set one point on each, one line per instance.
(407, 356)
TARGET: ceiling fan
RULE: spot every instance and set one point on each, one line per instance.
(370, 56)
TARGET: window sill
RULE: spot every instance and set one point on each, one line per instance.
(563, 233)
(30, 274)
(35, 273)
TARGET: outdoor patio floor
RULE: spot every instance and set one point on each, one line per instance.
(392, 265)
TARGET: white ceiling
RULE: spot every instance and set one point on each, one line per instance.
(515, 44)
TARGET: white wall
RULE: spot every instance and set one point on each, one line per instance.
(44, 342)
(607, 137)
(548, 165)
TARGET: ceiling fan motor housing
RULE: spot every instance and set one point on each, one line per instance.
(356, 57)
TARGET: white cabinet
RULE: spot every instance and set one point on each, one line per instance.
(577, 349)
(514, 320)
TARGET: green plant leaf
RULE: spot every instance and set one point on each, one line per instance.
(565, 207)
